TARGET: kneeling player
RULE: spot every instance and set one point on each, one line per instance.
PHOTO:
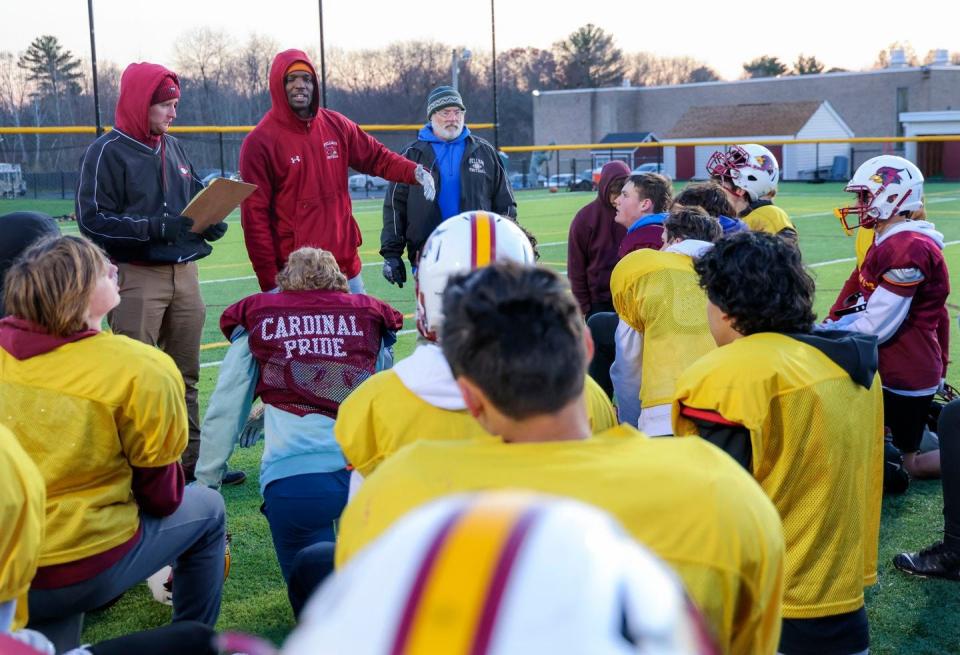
(749, 175)
(905, 284)
(517, 346)
(418, 398)
(802, 411)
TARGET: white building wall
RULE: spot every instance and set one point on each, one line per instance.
(801, 160)
(670, 162)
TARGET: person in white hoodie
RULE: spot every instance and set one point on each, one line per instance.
(663, 319)
(418, 398)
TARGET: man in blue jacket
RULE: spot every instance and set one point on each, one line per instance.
(468, 174)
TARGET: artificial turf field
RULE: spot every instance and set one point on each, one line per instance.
(906, 615)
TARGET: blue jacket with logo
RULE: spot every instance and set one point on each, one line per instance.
(408, 219)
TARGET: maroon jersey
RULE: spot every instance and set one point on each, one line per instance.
(314, 347)
(912, 359)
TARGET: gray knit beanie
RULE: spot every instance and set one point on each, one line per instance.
(441, 97)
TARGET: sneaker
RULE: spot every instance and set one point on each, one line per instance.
(936, 561)
(233, 478)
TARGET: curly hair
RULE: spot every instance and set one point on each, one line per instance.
(708, 195)
(50, 284)
(691, 223)
(517, 333)
(311, 268)
(759, 281)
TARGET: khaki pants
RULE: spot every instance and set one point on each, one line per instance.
(161, 306)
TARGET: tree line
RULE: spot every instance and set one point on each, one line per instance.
(226, 83)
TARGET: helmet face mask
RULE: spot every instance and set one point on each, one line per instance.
(884, 186)
(459, 244)
(750, 167)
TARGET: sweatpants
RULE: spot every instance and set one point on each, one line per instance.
(302, 510)
(603, 328)
(192, 539)
(948, 429)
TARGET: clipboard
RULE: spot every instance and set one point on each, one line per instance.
(215, 202)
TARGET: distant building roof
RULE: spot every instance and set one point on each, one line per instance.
(761, 119)
(627, 137)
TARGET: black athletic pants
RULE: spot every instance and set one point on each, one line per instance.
(603, 329)
(948, 429)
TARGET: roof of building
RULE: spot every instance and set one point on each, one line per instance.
(627, 137)
(761, 119)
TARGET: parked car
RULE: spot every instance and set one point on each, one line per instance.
(361, 182)
(582, 182)
(559, 180)
(649, 167)
(517, 181)
(12, 183)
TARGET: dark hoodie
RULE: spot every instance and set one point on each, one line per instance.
(300, 169)
(129, 176)
(594, 241)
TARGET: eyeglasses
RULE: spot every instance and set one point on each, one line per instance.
(451, 112)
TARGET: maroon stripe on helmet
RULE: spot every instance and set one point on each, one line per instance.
(498, 583)
(419, 583)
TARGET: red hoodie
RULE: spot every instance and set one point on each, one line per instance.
(300, 169)
(593, 242)
(137, 85)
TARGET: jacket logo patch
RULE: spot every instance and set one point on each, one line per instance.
(295, 159)
(184, 171)
(476, 165)
(330, 147)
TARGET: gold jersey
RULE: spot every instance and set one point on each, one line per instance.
(817, 451)
(685, 499)
(658, 294)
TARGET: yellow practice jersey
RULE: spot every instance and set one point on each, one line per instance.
(768, 218)
(658, 294)
(86, 413)
(382, 415)
(864, 242)
(685, 499)
(817, 450)
(22, 499)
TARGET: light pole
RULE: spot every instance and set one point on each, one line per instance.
(456, 58)
(93, 64)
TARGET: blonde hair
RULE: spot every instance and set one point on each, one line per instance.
(51, 282)
(311, 268)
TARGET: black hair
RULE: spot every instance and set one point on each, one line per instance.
(516, 332)
(759, 281)
(708, 195)
(691, 223)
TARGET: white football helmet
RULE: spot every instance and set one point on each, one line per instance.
(502, 573)
(460, 244)
(750, 167)
(885, 186)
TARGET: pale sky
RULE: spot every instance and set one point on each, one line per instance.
(722, 34)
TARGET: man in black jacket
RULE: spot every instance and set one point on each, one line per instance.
(134, 183)
(468, 174)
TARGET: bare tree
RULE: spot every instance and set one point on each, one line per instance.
(203, 58)
(648, 69)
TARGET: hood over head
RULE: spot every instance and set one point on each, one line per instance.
(137, 85)
(280, 109)
(611, 171)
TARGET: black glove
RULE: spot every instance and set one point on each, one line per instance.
(394, 271)
(215, 231)
(169, 228)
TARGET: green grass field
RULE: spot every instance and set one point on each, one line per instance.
(906, 615)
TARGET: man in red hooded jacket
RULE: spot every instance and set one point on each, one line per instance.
(298, 157)
(134, 183)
